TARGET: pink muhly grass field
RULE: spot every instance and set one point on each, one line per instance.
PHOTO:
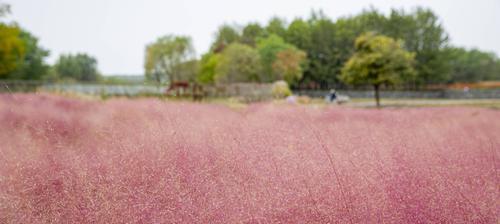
(147, 161)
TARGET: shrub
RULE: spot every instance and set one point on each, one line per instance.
(280, 89)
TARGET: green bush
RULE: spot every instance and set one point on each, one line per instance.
(280, 89)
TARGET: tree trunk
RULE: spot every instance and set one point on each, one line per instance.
(377, 95)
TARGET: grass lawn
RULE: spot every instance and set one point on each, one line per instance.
(368, 102)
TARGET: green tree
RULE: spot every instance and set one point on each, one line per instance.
(268, 49)
(188, 70)
(79, 67)
(12, 49)
(350, 28)
(165, 56)
(424, 35)
(378, 60)
(276, 26)
(299, 34)
(32, 66)
(324, 63)
(238, 63)
(288, 65)
(208, 64)
(329, 45)
(225, 35)
(473, 65)
(251, 33)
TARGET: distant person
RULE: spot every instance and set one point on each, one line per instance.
(332, 96)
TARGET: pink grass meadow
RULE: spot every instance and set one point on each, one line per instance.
(146, 161)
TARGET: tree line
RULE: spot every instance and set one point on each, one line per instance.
(312, 52)
(22, 57)
(308, 52)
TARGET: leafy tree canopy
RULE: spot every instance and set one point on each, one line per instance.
(288, 65)
(208, 64)
(12, 49)
(238, 63)
(276, 26)
(225, 36)
(378, 60)
(79, 67)
(251, 33)
(473, 65)
(269, 48)
(165, 58)
(32, 66)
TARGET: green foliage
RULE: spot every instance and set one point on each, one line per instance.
(329, 44)
(32, 66)
(208, 64)
(51, 75)
(268, 49)
(251, 33)
(280, 89)
(324, 64)
(424, 35)
(378, 60)
(225, 36)
(473, 65)
(333, 43)
(165, 59)
(188, 70)
(12, 49)
(299, 34)
(350, 28)
(78, 67)
(20, 55)
(238, 63)
(276, 26)
(288, 65)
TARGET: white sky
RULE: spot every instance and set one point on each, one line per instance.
(116, 31)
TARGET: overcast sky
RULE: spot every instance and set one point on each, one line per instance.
(116, 31)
